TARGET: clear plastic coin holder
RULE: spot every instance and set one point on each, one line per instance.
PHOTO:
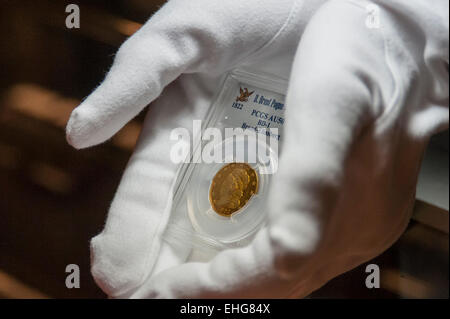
(221, 190)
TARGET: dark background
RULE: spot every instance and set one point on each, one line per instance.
(53, 199)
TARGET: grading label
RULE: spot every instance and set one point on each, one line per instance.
(255, 109)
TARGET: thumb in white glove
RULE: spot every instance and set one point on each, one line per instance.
(353, 145)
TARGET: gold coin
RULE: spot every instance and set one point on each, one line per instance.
(232, 187)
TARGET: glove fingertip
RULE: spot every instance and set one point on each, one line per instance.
(78, 129)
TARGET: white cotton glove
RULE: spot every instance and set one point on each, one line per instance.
(363, 100)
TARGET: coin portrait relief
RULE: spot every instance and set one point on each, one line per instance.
(232, 187)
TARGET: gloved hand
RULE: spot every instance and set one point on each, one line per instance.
(363, 100)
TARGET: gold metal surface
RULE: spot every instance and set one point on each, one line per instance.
(232, 187)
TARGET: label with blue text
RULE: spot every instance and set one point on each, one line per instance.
(255, 109)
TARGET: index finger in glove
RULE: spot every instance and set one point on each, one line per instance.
(182, 37)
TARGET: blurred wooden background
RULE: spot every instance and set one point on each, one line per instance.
(53, 199)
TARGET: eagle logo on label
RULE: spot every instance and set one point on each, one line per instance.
(244, 95)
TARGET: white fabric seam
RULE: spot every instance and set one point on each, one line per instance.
(292, 13)
(395, 98)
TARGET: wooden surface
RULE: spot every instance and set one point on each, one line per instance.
(53, 199)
